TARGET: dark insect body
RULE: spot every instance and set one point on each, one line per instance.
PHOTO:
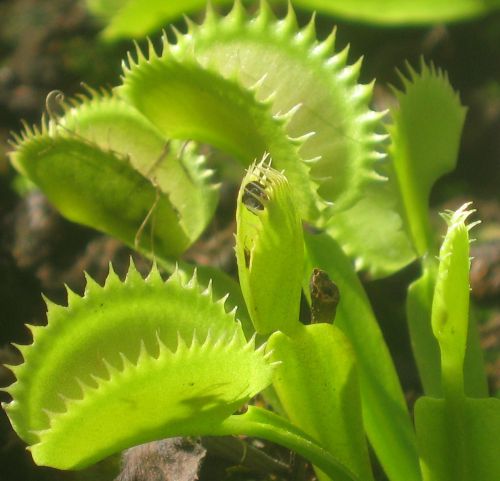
(325, 297)
(254, 197)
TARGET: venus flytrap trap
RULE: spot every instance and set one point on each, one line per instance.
(249, 108)
(316, 382)
(269, 250)
(117, 154)
(161, 338)
(450, 307)
(184, 368)
(457, 435)
(421, 153)
(246, 108)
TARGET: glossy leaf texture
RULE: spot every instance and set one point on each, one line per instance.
(136, 18)
(104, 165)
(131, 362)
(385, 415)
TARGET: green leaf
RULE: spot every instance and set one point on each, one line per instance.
(136, 18)
(269, 250)
(450, 304)
(405, 12)
(93, 187)
(451, 421)
(262, 423)
(372, 231)
(424, 345)
(425, 137)
(102, 153)
(244, 84)
(386, 419)
(317, 385)
(128, 363)
(481, 428)
(426, 348)
(174, 167)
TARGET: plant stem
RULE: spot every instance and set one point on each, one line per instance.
(453, 391)
(262, 423)
(240, 452)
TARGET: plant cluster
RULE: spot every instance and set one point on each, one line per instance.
(142, 359)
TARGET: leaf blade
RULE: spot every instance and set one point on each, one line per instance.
(381, 393)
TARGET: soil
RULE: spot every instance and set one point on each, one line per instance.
(54, 44)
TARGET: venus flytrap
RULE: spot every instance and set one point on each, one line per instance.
(152, 317)
(316, 382)
(458, 435)
(184, 368)
(127, 163)
(450, 307)
(213, 85)
(450, 312)
(317, 385)
(117, 155)
(421, 152)
(269, 250)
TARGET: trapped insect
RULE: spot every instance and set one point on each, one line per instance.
(254, 197)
